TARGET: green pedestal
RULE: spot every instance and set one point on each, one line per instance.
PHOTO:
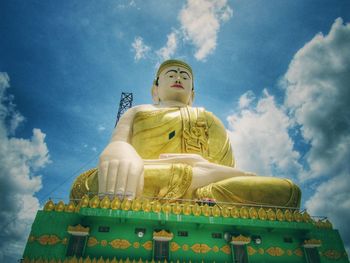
(136, 232)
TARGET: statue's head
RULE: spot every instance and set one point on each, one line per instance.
(173, 82)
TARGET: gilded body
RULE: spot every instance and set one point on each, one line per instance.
(170, 150)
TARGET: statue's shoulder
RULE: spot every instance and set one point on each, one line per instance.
(212, 119)
(140, 108)
(130, 114)
(143, 107)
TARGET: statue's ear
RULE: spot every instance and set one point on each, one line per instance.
(155, 95)
(191, 99)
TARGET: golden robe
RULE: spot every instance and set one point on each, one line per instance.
(192, 130)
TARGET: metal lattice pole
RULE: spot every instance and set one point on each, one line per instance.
(125, 104)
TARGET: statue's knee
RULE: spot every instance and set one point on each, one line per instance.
(297, 195)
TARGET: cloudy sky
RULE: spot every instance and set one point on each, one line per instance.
(276, 72)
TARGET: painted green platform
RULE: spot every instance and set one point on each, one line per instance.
(207, 235)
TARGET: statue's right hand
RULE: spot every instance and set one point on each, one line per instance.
(120, 171)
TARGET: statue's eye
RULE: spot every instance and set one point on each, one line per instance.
(184, 76)
(171, 76)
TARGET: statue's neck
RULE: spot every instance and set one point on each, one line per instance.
(171, 103)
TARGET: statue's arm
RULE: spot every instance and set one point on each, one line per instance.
(220, 149)
(120, 166)
(205, 173)
(123, 130)
(223, 167)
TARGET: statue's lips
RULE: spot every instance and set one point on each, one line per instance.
(177, 86)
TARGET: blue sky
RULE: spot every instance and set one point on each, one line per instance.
(275, 72)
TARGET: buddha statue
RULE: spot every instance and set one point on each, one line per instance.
(170, 151)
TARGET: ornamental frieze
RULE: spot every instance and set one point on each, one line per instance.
(120, 244)
(187, 209)
(148, 245)
(174, 247)
(48, 239)
(275, 251)
(226, 249)
(251, 250)
(332, 254)
(199, 248)
(298, 252)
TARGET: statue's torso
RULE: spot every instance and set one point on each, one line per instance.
(181, 130)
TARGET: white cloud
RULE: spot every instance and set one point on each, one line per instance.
(318, 96)
(332, 199)
(317, 99)
(260, 139)
(140, 49)
(101, 128)
(169, 50)
(20, 159)
(246, 99)
(16, 120)
(126, 4)
(200, 22)
(132, 3)
(7, 106)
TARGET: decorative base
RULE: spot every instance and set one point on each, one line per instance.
(148, 231)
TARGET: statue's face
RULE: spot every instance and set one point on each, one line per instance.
(175, 84)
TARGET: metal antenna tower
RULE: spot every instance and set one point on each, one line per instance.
(125, 104)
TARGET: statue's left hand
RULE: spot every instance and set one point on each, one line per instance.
(205, 173)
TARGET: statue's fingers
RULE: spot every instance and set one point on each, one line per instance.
(112, 176)
(122, 177)
(250, 174)
(133, 181)
(164, 155)
(102, 177)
